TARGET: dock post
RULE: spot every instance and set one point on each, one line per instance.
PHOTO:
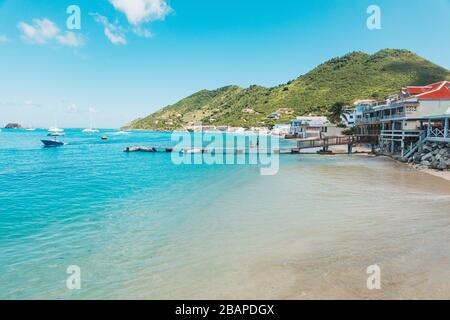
(350, 148)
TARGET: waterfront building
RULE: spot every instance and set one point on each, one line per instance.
(281, 129)
(308, 126)
(404, 121)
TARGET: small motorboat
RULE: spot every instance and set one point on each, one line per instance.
(52, 143)
(104, 137)
(56, 134)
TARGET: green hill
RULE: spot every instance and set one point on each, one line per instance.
(352, 77)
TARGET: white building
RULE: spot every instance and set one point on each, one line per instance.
(310, 126)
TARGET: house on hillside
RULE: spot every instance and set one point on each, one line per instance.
(248, 110)
(284, 111)
(281, 129)
(274, 115)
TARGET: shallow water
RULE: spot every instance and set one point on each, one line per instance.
(141, 227)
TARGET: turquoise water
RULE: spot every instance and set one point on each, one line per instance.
(139, 226)
(63, 206)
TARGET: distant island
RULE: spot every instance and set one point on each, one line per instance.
(13, 126)
(345, 79)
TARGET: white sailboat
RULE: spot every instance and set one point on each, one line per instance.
(91, 128)
(54, 128)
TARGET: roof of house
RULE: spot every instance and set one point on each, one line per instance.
(438, 90)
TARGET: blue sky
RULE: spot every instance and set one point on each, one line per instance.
(132, 57)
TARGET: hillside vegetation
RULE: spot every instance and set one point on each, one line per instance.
(346, 79)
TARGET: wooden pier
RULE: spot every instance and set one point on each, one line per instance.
(327, 142)
(323, 143)
(153, 149)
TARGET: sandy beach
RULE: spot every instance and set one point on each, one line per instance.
(311, 231)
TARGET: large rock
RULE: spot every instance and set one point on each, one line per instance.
(427, 157)
(440, 165)
(427, 148)
(417, 157)
(13, 126)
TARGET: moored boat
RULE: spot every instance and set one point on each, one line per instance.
(56, 134)
(52, 143)
(91, 128)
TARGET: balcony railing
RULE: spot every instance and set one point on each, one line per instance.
(438, 133)
(400, 133)
(394, 116)
(398, 115)
(367, 120)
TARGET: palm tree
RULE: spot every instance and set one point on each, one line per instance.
(337, 112)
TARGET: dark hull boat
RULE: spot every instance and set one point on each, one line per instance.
(52, 143)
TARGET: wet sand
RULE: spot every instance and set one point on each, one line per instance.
(311, 231)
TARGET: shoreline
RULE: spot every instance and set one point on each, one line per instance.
(365, 151)
(311, 252)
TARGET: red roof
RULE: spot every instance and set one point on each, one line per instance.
(439, 90)
(416, 90)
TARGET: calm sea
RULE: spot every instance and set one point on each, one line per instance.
(139, 226)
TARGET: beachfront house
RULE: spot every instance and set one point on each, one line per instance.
(309, 126)
(281, 129)
(406, 119)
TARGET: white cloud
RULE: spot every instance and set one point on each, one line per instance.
(30, 103)
(72, 108)
(43, 31)
(3, 38)
(114, 32)
(70, 39)
(40, 32)
(20, 104)
(141, 32)
(141, 11)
